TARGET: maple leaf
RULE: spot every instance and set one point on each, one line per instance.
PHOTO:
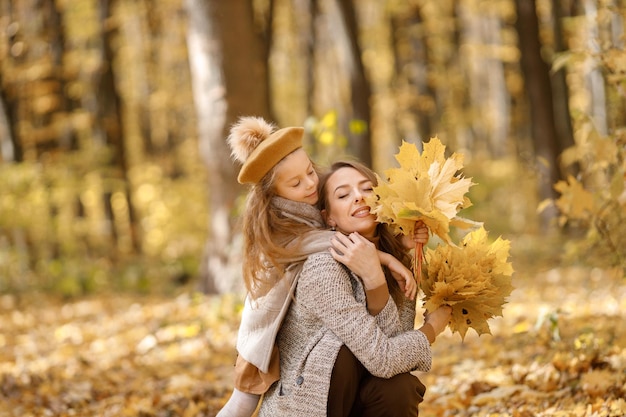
(575, 202)
(473, 278)
(426, 187)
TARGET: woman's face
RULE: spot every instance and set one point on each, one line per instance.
(296, 179)
(346, 209)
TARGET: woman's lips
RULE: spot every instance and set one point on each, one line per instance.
(361, 212)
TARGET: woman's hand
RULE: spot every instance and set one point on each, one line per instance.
(439, 318)
(420, 235)
(360, 255)
(400, 273)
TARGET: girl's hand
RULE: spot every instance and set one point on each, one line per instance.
(361, 256)
(420, 235)
(400, 273)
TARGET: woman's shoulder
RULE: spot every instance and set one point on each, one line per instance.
(321, 257)
(323, 261)
(321, 270)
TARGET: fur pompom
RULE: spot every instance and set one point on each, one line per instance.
(246, 134)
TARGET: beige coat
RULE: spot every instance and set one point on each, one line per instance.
(329, 310)
(262, 317)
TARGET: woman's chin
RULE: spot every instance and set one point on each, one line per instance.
(368, 231)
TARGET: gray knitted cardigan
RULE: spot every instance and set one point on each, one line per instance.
(329, 311)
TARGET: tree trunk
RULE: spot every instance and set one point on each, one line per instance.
(539, 89)
(229, 78)
(7, 141)
(110, 106)
(413, 118)
(563, 122)
(359, 143)
(244, 64)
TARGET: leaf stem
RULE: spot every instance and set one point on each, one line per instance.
(418, 259)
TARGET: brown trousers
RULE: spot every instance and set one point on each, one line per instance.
(354, 392)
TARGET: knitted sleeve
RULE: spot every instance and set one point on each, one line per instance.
(407, 314)
(324, 289)
(388, 319)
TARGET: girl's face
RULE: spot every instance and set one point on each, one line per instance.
(346, 209)
(296, 179)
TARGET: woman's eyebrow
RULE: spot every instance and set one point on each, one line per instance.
(365, 181)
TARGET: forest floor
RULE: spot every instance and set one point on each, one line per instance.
(559, 350)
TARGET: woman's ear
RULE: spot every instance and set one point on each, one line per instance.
(329, 222)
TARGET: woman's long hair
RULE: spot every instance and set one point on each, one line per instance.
(265, 236)
(387, 242)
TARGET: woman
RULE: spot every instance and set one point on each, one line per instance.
(337, 359)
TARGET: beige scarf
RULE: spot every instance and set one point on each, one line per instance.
(262, 317)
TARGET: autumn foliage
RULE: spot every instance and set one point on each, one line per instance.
(558, 350)
(426, 187)
(473, 278)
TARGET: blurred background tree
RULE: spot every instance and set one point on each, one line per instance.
(114, 172)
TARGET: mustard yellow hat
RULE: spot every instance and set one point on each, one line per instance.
(269, 152)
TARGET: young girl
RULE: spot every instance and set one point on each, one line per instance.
(281, 228)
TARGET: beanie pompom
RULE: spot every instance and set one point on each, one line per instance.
(246, 135)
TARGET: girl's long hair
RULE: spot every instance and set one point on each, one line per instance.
(265, 236)
(388, 242)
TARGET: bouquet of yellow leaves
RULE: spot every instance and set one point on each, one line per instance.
(473, 278)
(425, 187)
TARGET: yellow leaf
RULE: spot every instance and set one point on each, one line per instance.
(473, 278)
(597, 382)
(329, 120)
(463, 223)
(618, 407)
(357, 126)
(408, 157)
(575, 202)
(434, 151)
(425, 187)
(326, 138)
